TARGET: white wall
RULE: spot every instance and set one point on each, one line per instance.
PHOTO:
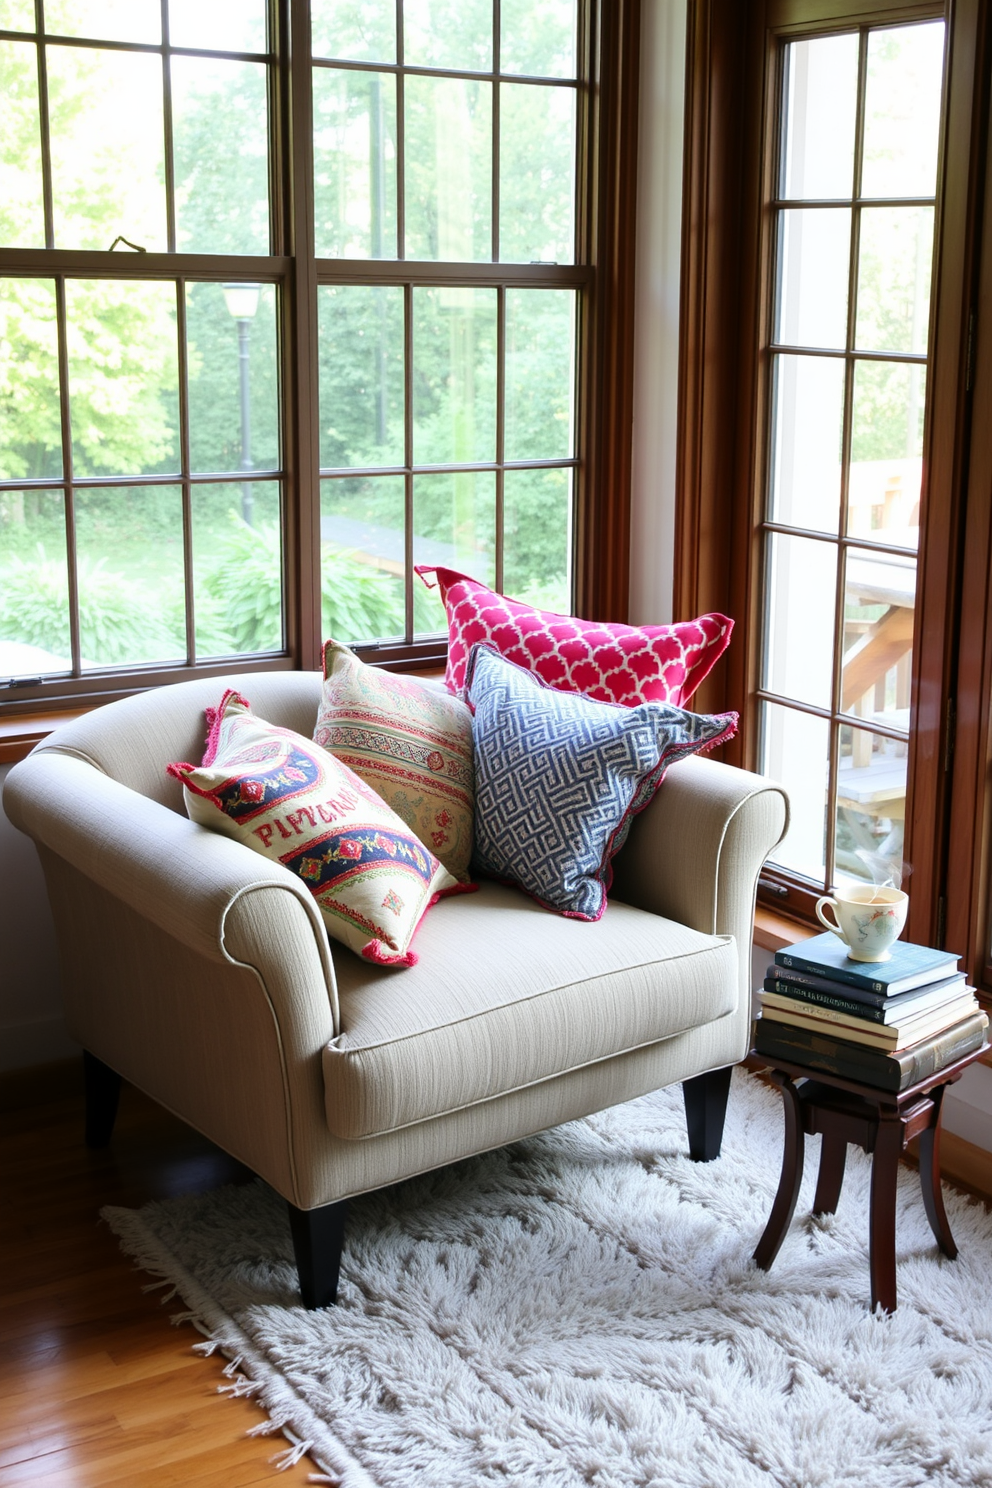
(32, 1030)
(656, 339)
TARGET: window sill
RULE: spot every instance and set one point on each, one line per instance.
(772, 930)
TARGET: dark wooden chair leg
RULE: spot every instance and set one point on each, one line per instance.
(833, 1158)
(933, 1198)
(318, 1239)
(705, 1099)
(784, 1206)
(882, 1229)
(103, 1090)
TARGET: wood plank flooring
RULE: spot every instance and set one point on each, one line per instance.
(96, 1388)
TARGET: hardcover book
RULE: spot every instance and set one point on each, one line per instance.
(806, 980)
(889, 1010)
(877, 1035)
(908, 965)
(893, 1072)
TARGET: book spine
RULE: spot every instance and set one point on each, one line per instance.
(871, 1012)
(886, 1071)
(797, 978)
(945, 1048)
(838, 973)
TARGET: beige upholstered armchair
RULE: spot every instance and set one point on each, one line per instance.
(203, 973)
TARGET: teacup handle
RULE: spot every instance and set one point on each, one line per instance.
(829, 924)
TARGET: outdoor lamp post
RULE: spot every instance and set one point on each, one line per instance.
(242, 302)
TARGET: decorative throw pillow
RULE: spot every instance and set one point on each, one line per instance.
(296, 804)
(614, 663)
(410, 742)
(559, 777)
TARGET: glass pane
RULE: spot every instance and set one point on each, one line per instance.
(22, 211)
(218, 25)
(354, 30)
(360, 338)
(107, 147)
(871, 808)
(354, 164)
(454, 524)
(820, 117)
(363, 562)
(454, 376)
(16, 15)
(221, 153)
(30, 421)
(123, 377)
(540, 361)
(887, 452)
(536, 174)
(237, 568)
(537, 538)
(814, 251)
(537, 37)
(807, 428)
(448, 169)
(794, 750)
(894, 257)
(902, 110)
(879, 596)
(129, 562)
(233, 377)
(105, 20)
(799, 628)
(448, 33)
(34, 584)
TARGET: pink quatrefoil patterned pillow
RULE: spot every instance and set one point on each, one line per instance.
(625, 664)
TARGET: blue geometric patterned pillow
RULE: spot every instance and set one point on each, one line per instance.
(559, 777)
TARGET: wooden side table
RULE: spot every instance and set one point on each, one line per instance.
(882, 1123)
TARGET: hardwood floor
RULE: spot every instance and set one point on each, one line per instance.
(96, 1387)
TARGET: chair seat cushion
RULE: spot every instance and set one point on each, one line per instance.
(505, 996)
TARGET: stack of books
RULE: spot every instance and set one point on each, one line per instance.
(887, 1024)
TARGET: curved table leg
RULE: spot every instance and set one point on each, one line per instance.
(882, 1245)
(933, 1199)
(792, 1174)
(833, 1157)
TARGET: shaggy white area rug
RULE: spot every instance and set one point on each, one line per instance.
(581, 1309)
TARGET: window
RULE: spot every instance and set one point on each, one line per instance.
(279, 322)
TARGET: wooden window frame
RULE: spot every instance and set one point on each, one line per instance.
(603, 274)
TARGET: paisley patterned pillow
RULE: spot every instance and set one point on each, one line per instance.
(409, 741)
(294, 803)
(626, 664)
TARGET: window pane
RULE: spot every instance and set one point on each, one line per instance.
(820, 117)
(540, 364)
(537, 37)
(454, 524)
(536, 174)
(448, 169)
(105, 20)
(354, 30)
(107, 148)
(894, 278)
(880, 593)
(354, 164)
(799, 627)
(902, 110)
(448, 33)
(34, 584)
(887, 452)
(129, 563)
(22, 212)
(30, 421)
(360, 335)
(233, 378)
(363, 560)
(123, 378)
(221, 151)
(794, 750)
(871, 808)
(221, 25)
(537, 538)
(807, 428)
(16, 15)
(237, 568)
(454, 376)
(814, 250)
